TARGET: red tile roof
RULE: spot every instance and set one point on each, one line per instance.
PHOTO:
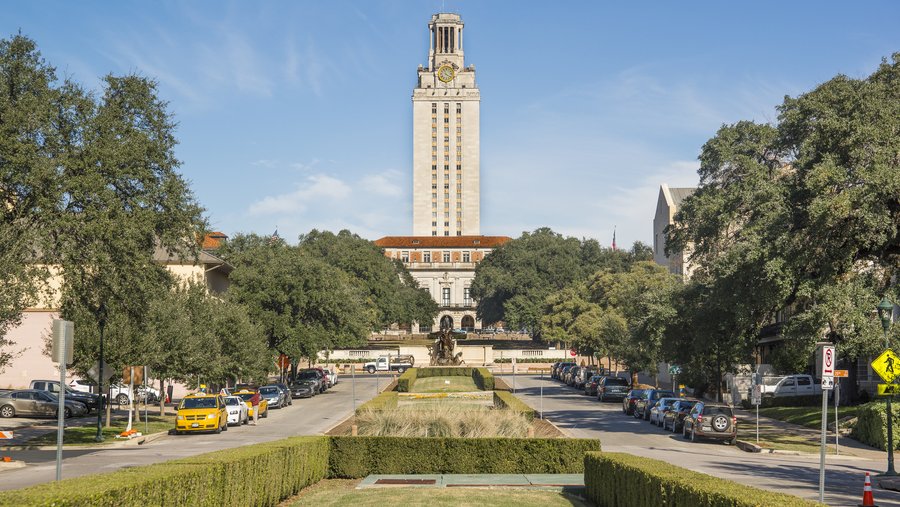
(213, 240)
(441, 241)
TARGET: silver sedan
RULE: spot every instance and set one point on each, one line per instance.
(31, 402)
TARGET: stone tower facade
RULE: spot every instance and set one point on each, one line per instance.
(446, 152)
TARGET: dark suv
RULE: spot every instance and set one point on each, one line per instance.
(710, 420)
(612, 388)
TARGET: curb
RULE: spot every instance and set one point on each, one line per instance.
(748, 447)
(11, 465)
(111, 445)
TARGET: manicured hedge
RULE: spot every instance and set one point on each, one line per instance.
(483, 378)
(811, 400)
(356, 457)
(406, 380)
(445, 371)
(507, 400)
(871, 424)
(259, 474)
(615, 479)
(385, 400)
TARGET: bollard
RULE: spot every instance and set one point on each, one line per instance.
(531, 432)
(354, 430)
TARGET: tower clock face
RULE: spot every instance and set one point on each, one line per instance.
(446, 73)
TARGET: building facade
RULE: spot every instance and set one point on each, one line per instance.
(446, 267)
(667, 205)
(446, 148)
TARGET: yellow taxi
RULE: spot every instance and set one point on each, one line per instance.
(201, 412)
(246, 394)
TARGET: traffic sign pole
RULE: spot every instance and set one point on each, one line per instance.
(828, 361)
(883, 365)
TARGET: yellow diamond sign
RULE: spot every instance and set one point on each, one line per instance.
(887, 366)
(888, 389)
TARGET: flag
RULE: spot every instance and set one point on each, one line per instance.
(614, 239)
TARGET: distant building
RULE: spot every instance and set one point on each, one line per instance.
(446, 267)
(667, 205)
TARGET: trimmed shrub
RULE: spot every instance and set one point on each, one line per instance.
(614, 479)
(445, 371)
(382, 401)
(508, 401)
(871, 424)
(261, 474)
(406, 381)
(483, 378)
(357, 457)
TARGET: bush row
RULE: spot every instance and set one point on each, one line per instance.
(483, 378)
(508, 401)
(811, 400)
(871, 424)
(356, 457)
(545, 360)
(445, 371)
(614, 479)
(261, 474)
(382, 401)
(407, 379)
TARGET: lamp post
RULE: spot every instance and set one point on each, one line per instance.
(885, 312)
(101, 323)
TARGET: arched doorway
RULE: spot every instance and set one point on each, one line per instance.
(468, 323)
(446, 322)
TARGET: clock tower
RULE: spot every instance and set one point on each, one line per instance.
(446, 153)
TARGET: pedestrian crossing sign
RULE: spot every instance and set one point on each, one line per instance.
(888, 389)
(887, 366)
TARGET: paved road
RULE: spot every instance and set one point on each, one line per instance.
(305, 417)
(583, 416)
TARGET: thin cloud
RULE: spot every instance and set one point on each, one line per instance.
(316, 188)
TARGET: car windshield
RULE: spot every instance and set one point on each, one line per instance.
(308, 375)
(232, 401)
(686, 405)
(616, 381)
(198, 403)
(268, 390)
(771, 381)
(295, 385)
(637, 393)
(663, 394)
(245, 396)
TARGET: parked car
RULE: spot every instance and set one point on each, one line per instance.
(556, 371)
(274, 396)
(570, 375)
(238, 413)
(791, 385)
(263, 407)
(312, 375)
(584, 374)
(710, 420)
(201, 412)
(332, 376)
(91, 401)
(303, 389)
(325, 381)
(32, 402)
(590, 387)
(121, 394)
(287, 392)
(674, 418)
(83, 386)
(391, 363)
(645, 403)
(630, 399)
(612, 388)
(564, 372)
(659, 410)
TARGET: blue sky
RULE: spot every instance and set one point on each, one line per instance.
(297, 115)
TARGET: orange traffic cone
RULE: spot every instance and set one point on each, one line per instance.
(868, 499)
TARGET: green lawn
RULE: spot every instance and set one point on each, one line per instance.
(84, 435)
(811, 417)
(340, 493)
(444, 385)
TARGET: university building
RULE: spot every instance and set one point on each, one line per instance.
(446, 244)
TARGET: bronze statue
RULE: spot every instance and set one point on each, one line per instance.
(442, 352)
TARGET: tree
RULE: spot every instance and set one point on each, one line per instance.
(302, 304)
(513, 282)
(395, 295)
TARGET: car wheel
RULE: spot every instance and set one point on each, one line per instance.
(218, 430)
(178, 432)
(7, 411)
(122, 399)
(693, 434)
(67, 413)
(371, 369)
(684, 434)
(225, 427)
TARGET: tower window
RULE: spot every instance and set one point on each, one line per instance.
(466, 258)
(426, 257)
(446, 256)
(404, 256)
(458, 108)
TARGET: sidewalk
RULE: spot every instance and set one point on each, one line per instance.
(769, 427)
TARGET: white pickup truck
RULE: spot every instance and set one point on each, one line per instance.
(399, 364)
(791, 385)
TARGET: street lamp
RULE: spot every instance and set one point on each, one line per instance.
(101, 323)
(885, 312)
